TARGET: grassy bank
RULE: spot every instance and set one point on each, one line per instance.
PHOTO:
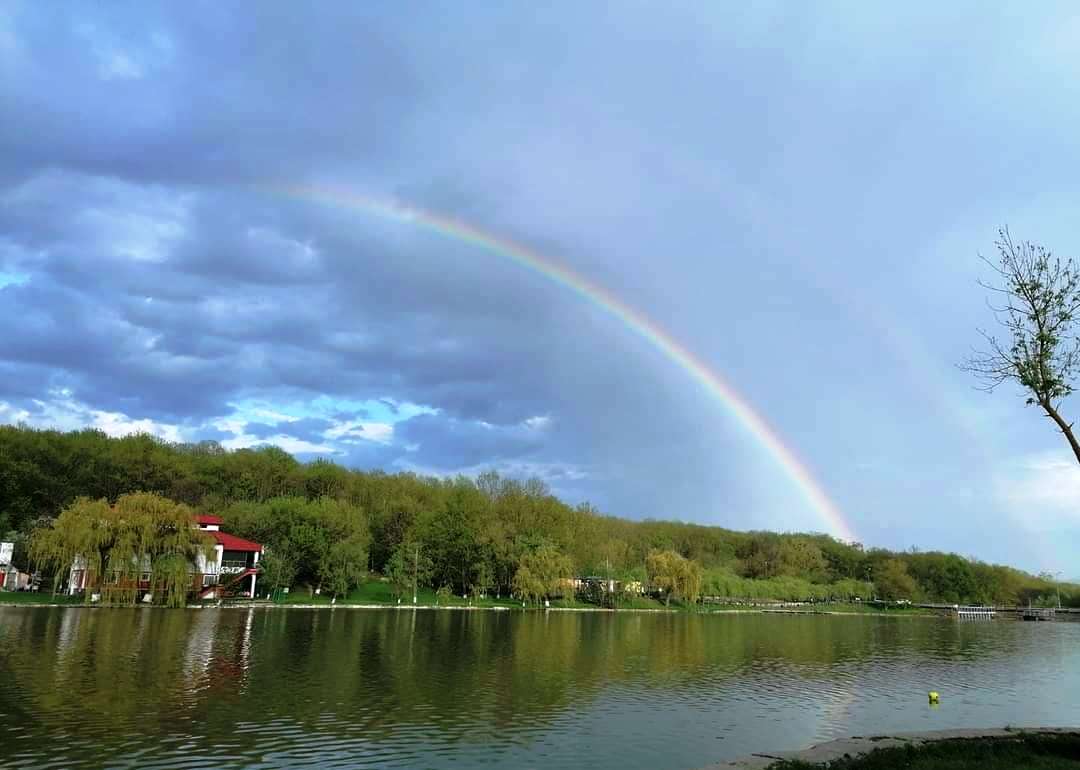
(34, 597)
(379, 592)
(1034, 751)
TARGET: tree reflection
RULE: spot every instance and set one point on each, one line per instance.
(388, 679)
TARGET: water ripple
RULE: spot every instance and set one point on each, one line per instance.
(270, 689)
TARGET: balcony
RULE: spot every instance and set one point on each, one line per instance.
(233, 567)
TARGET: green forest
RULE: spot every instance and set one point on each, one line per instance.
(327, 526)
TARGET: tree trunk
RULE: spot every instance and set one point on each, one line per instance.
(1065, 427)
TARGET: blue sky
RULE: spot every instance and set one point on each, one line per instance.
(796, 193)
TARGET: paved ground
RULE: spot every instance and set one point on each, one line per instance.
(858, 745)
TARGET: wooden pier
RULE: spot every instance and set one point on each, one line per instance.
(1037, 613)
(974, 613)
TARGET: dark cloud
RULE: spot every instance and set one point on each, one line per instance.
(445, 444)
(737, 177)
(309, 429)
(214, 95)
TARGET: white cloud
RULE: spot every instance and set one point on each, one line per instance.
(272, 417)
(9, 414)
(1042, 490)
(12, 279)
(64, 413)
(554, 473)
(229, 425)
(116, 424)
(290, 444)
(539, 422)
(379, 432)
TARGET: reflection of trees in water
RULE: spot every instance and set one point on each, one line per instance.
(455, 675)
(122, 667)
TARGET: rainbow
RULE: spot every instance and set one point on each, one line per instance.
(737, 406)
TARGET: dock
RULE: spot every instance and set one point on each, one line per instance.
(1037, 613)
(974, 613)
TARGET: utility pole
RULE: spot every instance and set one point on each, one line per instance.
(415, 569)
(1052, 577)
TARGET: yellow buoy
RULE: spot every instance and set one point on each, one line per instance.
(933, 697)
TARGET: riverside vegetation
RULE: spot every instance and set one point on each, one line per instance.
(1032, 751)
(489, 538)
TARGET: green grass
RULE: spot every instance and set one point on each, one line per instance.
(1031, 752)
(825, 608)
(376, 591)
(379, 592)
(36, 597)
(641, 603)
(873, 609)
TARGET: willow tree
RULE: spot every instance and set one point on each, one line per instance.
(118, 544)
(542, 573)
(675, 575)
(1035, 298)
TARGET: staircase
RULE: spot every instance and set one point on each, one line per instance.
(223, 587)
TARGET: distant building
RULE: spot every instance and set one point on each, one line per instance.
(11, 578)
(233, 567)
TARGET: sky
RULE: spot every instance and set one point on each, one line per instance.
(795, 195)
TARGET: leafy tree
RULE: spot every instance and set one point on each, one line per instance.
(527, 586)
(482, 579)
(278, 569)
(798, 556)
(322, 524)
(307, 541)
(1038, 297)
(325, 479)
(541, 573)
(118, 543)
(674, 575)
(409, 569)
(342, 568)
(892, 581)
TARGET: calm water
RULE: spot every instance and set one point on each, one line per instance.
(147, 688)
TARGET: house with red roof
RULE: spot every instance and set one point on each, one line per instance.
(231, 568)
(234, 566)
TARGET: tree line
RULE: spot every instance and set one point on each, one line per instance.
(330, 527)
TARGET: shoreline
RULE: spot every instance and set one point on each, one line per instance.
(860, 746)
(495, 608)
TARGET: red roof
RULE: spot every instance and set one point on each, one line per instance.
(207, 519)
(234, 543)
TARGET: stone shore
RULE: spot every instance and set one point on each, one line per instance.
(859, 745)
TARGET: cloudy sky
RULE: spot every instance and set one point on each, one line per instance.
(796, 194)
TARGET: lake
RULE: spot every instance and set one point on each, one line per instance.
(290, 688)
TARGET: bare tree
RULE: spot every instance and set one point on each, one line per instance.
(1035, 299)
